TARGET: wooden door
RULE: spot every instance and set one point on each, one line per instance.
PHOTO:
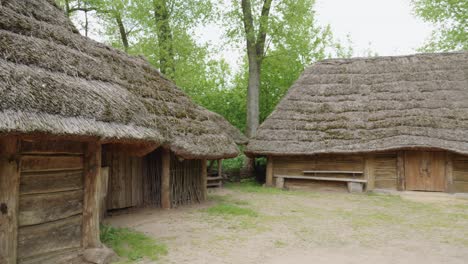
(425, 171)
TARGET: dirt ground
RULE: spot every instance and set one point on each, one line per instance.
(307, 227)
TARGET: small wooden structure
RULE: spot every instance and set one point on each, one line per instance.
(372, 123)
(77, 116)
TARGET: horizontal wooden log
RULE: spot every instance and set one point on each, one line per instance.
(386, 184)
(331, 172)
(214, 178)
(459, 186)
(460, 175)
(72, 255)
(51, 147)
(42, 208)
(51, 181)
(48, 163)
(320, 178)
(38, 240)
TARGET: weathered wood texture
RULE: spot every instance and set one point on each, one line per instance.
(152, 173)
(42, 208)
(425, 170)
(188, 184)
(92, 189)
(51, 198)
(104, 178)
(166, 179)
(369, 171)
(385, 171)
(460, 173)
(51, 181)
(38, 240)
(401, 184)
(9, 193)
(204, 175)
(125, 186)
(297, 165)
(269, 173)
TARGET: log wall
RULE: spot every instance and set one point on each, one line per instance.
(385, 171)
(51, 198)
(296, 166)
(460, 173)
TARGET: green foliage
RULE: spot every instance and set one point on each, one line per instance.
(294, 41)
(450, 18)
(130, 244)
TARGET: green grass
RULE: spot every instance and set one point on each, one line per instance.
(227, 209)
(251, 186)
(131, 245)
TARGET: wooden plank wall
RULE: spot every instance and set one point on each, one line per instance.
(186, 181)
(51, 198)
(152, 174)
(296, 166)
(460, 173)
(385, 171)
(125, 184)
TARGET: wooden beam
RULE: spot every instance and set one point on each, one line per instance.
(165, 179)
(401, 186)
(204, 177)
(369, 172)
(92, 195)
(449, 173)
(269, 172)
(9, 199)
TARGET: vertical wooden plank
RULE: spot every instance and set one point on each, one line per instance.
(401, 170)
(369, 171)
(9, 199)
(204, 179)
(269, 172)
(165, 179)
(220, 168)
(104, 178)
(449, 172)
(92, 165)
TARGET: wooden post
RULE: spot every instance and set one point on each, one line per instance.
(9, 199)
(92, 195)
(269, 172)
(401, 171)
(369, 170)
(204, 176)
(104, 184)
(449, 173)
(165, 179)
(220, 168)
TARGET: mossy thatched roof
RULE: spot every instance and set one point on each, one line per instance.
(371, 104)
(53, 80)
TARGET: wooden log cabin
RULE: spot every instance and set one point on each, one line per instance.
(73, 111)
(398, 123)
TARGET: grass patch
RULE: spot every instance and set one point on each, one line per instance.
(230, 210)
(131, 245)
(251, 186)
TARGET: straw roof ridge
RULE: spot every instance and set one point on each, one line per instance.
(53, 80)
(371, 104)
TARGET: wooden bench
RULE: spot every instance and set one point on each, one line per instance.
(354, 185)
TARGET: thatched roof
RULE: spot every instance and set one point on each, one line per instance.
(229, 129)
(53, 80)
(371, 104)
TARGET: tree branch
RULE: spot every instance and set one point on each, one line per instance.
(263, 28)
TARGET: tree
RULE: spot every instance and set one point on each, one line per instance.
(450, 18)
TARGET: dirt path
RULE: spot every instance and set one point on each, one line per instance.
(273, 226)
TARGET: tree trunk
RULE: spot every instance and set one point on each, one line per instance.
(255, 54)
(123, 32)
(165, 40)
